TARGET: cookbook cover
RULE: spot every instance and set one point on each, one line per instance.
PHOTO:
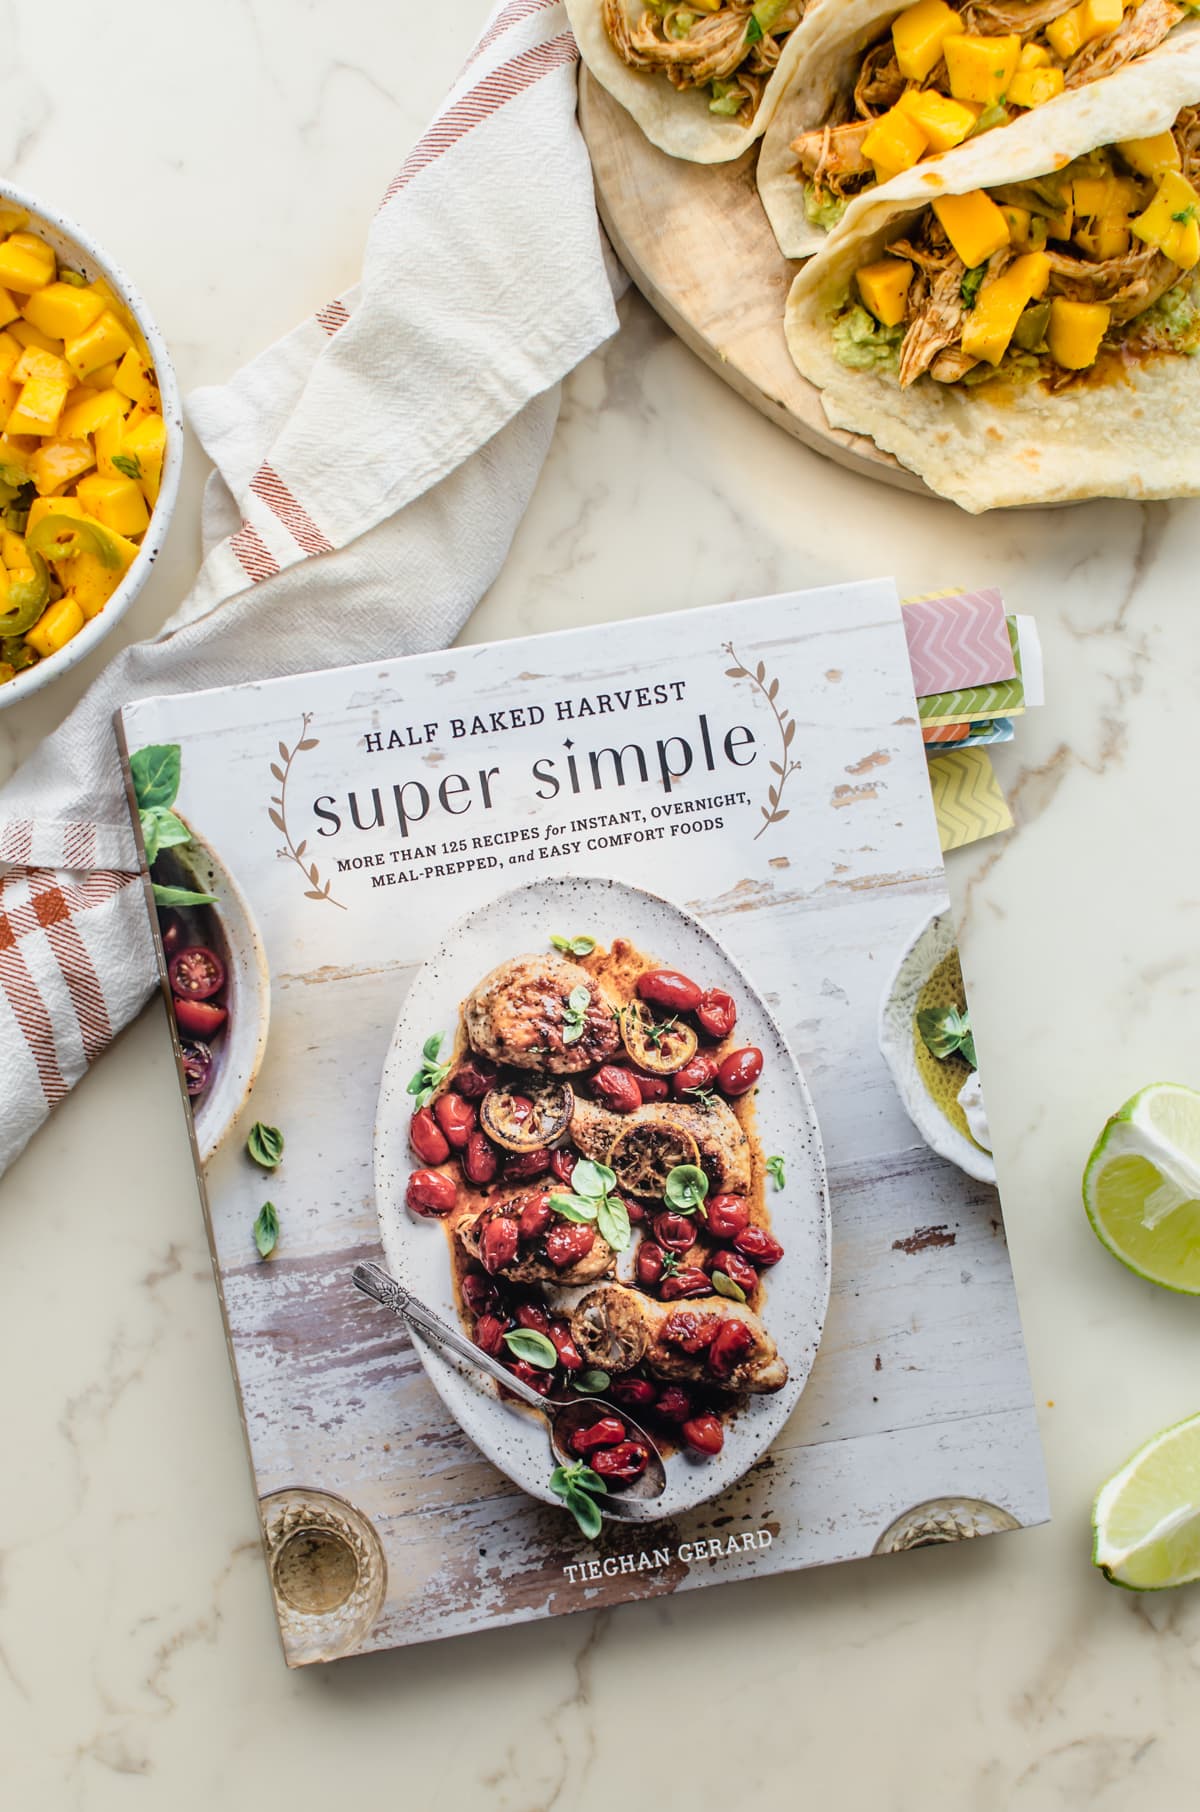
(592, 998)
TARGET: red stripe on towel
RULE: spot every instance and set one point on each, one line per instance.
(269, 487)
(255, 557)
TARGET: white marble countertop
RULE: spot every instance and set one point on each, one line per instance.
(231, 156)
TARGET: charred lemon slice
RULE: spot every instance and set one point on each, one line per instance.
(645, 1154)
(527, 1118)
(657, 1041)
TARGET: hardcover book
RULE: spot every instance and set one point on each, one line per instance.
(587, 1116)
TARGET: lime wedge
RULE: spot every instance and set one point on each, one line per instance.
(1141, 1187)
(1146, 1520)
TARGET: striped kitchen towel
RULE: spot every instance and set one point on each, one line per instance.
(373, 466)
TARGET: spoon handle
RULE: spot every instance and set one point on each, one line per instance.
(374, 1281)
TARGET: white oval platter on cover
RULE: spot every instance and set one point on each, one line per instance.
(797, 1291)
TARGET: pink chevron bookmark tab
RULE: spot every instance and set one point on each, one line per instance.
(957, 640)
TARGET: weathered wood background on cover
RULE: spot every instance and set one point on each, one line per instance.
(920, 1388)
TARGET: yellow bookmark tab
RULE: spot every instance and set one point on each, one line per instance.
(967, 797)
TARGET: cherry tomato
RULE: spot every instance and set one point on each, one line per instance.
(456, 1118)
(562, 1164)
(735, 1268)
(616, 1089)
(197, 1065)
(520, 1108)
(196, 973)
(634, 1210)
(427, 1139)
(758, 1244)
(732, 1342)
(522, 1165)
(674, 1403)
(474, 1078)
(479, 1293)
(725, 1215)
(201, 1018)
(674, 1231)
(698, 1073)
(652, 1088)
(704, 1434)
(667, 988)
(489, 1334)
(535, 1217)
(649, 1264)
(170, 929)
(690, 1329)
(567, 1243)
(530, 1374)
(498, 1247)
(740, 1070)
(636, 1393)
(717, 1013)
(623, 1463)
(533, 1315)
(569, 1355)
(430, 1192)
(479, 1160)
(688, 1282)
(606, 1431)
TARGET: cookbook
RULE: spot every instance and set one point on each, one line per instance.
(587, 1115)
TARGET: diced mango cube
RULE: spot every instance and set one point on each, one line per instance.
(1107, 236)
(105, 339)
(1104, 195)
(10, 393)
(883, 287)
(26, 334)
(135, 378)
(999, 304)
(919, 35)
(108, 440)
(62, 311)
(13, 552)
(895, 142)
(1033, 56)
(34, 363)
(53, 506)
(1075, 332)
(26, 263)
(944, 122)
(57, 462)
(1066, 33)
(58, 623)
(116, 502)
(1027, 231)
(39, 407)
(92, 583)
(1099, 17)
(86, 410)
(973, 224)
(8, 309)
(1034, 87)
(1151, 156)
(146, 446)
(10, 352)
(1170, 222)
(12, 219)
(980, 68)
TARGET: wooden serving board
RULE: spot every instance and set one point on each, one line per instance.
(695, 240)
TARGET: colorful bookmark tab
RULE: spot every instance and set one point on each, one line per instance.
(967, 798)
(957, 639)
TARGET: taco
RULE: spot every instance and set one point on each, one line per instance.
(1021, 325)
(880, 88)
(700, 77)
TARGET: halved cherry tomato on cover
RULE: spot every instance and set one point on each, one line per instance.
(569, 1355)
(474, 1078)
(649, 1264)
(199, 1017)
(621, 1464)
(717, 1013)
(616, 1089)
(525, 1164)
(674, 1404)
(757, 1244)
(688, 1282)
(606, 1431)
(691, 1329)
(427, 1138)
(699, 1073)
(674, 1231)
(567, 1243)
(498, 1246)
(197, 1065)
(735, 1268)
(704, 1434)
(535, 1216)
(479, 1160)
(725, 1215)
(170, 927)
(430, 1192)
(530, 1375)
(652, 1088)
(196, 973)
(733, 1341)
(533, 1315)
(638, 1393)
(667, 988)
(456, 1118)
(479, 1293)
(562, 1164)
(740, 1071)
(489, 1334)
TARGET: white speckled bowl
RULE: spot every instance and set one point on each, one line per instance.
(73, 248)
(797, 1292)
(932, 941)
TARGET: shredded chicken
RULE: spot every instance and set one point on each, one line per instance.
(1142, 28)
(993, 18)
(880, 84)
(1129, 284)
(834, 155)
(711, 48)
(936, 322)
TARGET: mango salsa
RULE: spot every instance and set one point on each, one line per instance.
(1075, 332)
(999, 306)
(1034, 87)
(1170, 222)
(973, 224)
(894, 143)
(981, 69)
(884, 289)
(919, 35)
(944, 122)
(1151, 156)
(82, 446)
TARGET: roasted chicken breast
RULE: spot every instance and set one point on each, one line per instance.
(522, 1015)
(706, 1339)
(714, 1130)
(544, 1245)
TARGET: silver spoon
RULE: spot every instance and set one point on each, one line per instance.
(563, 1419)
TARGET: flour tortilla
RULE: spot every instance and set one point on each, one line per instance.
(1014, 443)
(816, 84)
(677, 120)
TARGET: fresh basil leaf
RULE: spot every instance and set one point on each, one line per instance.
(575, 1485)
(586, 1512)
(612, 1219)
(155, 773)
(579, 1000)
(572, 1031)
(416, 1083)
(172, 831)
(536, 1349)
(775, 1169)
(181, 896)
(149, 826)
(942, 1030)
(725, 1286)
(265, 1145)
(584, 1479)
(592, 1180)
(573, 1207)
(266, 1229)
(967, 1047)
(686, 1188)
(128, 465)
(574, 946)
(591, 1383)
(432, 1045)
